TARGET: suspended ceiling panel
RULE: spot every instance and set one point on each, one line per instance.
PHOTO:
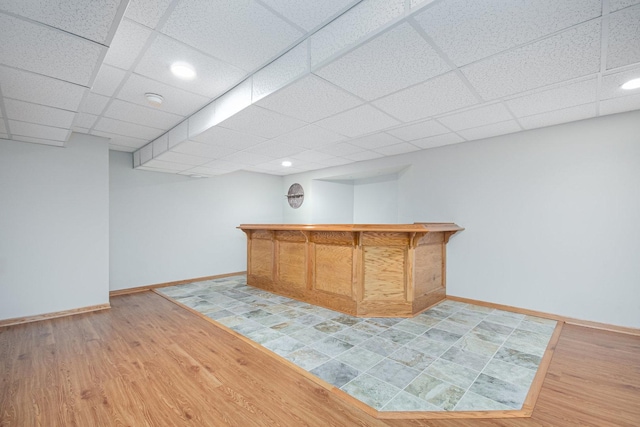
(316, 83)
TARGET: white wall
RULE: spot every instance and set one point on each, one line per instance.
(332, 202)
(376, 200)
(168, 227)
(551, 215)
(54, 226)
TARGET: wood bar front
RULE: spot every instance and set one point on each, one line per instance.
(372, 270)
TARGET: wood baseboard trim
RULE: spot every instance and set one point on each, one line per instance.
(56, 314)
(166, 284)
(556, 317)
(424, 415)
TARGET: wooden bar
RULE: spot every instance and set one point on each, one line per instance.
(372, 270)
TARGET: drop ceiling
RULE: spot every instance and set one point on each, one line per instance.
(317, 83)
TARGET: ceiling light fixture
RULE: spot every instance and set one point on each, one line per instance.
(631, 84)
(286, 163)
(183, 70)
(154, 99)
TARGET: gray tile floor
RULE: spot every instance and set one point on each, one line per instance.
(452, 357)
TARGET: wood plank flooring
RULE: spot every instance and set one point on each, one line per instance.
(149, 362)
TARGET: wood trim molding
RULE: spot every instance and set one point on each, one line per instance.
(567, 320)
(166, 284)
(46, 316)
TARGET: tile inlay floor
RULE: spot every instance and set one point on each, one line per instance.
(452, 357)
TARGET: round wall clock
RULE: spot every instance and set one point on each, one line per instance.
(295, 196)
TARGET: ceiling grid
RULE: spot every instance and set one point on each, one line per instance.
(319, 84)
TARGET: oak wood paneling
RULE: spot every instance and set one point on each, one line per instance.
(428, 268)
(334, 269)
(384, 268)
(261, 258)
(292, 264)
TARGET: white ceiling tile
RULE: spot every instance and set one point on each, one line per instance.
(275, 149)
(199, 170)
(559, 116)
(437, 140)
(480, 116)
(624, 38)
(38, 140)
(308, 167)
(160, 145)
(121, 140)
(224, 165)
(621, 4)
(176, 100)
(280, 72)
(245, 158)
(308, 14)
(310, 99)
(203, 150)
(38, 131)
(157, 170)
(4, 135)
(610, 87)
(115, 147)
(244, 34)
(51, 52)
(310, 156)
(94, 104)
(490, 130)
(133, 130)
(392, 150)
(168, 166)
(554, 99)
(108, 80)
(310, 136)
(146, 153)
(213, 77)
(186, 159)
(570, 54)
(392, 61)
(33, 113)
(39, 89)
(375, 140)
(127, 44)
(147, 116)
(341, 149)
(351, 26)
(439, 95)
(91, 20)
(80, 129)
(619, 105)
(223, 137)
(363, 155)
(3, 128)
(147, 12)
(469, 31)
(335, 161)
(261, 122)
(358, 121)
(418, 130)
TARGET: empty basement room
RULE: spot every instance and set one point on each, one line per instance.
(303, 213)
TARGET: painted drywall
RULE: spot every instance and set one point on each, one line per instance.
(375, 200)
(168, 227)
(54, 226)
(551, 215)
(332, 202)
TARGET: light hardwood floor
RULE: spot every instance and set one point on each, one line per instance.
(150, 362)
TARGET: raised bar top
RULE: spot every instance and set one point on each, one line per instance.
(419, 227)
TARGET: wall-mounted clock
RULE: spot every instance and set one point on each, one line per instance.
(295, 196)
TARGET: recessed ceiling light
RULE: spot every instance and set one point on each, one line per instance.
(286, 163)
(154, 99)
(631, 84)
(183, 70)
